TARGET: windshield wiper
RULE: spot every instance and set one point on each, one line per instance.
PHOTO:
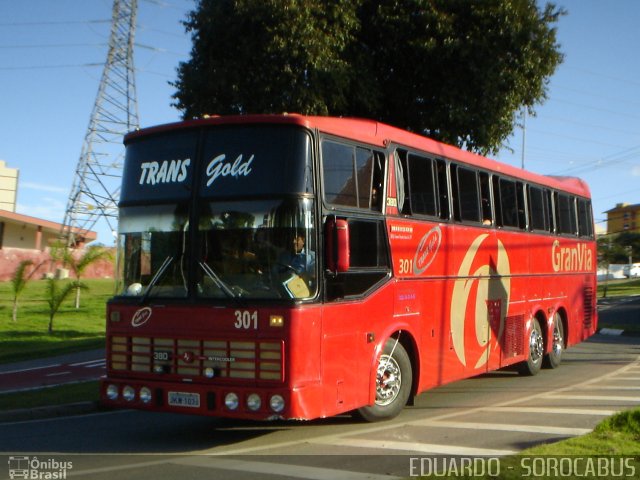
(156, 278)
(217, 280)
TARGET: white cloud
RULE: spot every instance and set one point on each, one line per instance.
(635, 171)
(43, 188)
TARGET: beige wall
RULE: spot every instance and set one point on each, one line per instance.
(8, 187)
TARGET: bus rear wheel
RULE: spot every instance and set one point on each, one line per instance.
(394, 377)
(533, 363)
(554, 357)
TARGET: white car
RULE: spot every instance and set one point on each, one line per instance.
(632, 270)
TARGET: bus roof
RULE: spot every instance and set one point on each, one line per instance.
(378, 134)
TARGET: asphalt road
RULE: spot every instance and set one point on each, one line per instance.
(487, 416)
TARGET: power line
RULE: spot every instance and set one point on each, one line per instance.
(61, 22)
(51, 67)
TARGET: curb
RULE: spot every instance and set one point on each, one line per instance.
(51, 411)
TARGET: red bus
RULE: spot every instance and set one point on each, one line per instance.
(295, 267)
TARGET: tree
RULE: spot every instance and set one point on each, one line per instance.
(18, 282)
(57, 294)
(457, 70)
(253, 56)
(79, 265)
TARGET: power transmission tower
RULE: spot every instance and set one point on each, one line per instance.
(96, 185)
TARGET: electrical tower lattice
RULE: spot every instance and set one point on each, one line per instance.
(96, 185)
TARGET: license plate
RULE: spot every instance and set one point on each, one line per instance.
(183, 399)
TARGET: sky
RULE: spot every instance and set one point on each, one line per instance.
(50, 66)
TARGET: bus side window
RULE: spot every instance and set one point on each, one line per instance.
(369, 260)
(585, 222)
(485, 198)
(443, 189)
(537, 208)
(402, 181)
(352, 176)
(548, 199)
(422, 189)
(566, 214)
(509, 203)
(377, 189)
(469, 195)
(497, 202)
(522, 214)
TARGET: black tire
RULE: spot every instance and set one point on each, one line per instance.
(532, 365)
(394, 377)
(554, 357)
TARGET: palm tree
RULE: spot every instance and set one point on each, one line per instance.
(57, 295)
(78, 266)
(18, 282)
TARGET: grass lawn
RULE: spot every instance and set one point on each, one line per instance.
(617, 288)
(73, 330)
(614, 445)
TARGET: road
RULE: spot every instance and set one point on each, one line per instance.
(490, 416)
(34, 374)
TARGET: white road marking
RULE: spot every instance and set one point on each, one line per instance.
(504, 427)
(613, 387)
(31, 369)
(57, 374)
(609, 398)
(432, 448)
(563, 411)
(89, 363)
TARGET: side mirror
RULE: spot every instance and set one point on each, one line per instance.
(337, 244)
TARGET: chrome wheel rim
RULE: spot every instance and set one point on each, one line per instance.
(558, 341)
(536, 346)
(388, 380)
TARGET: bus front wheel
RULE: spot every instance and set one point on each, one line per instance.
(533, 363)
(393, 383)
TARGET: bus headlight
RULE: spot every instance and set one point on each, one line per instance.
(231, 401)
(128, 393)
(277, 403)
(254, 402)
(112, 392)
(145, 395)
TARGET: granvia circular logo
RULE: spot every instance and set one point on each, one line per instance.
(141, 317)
(427, 250)
(481, 295)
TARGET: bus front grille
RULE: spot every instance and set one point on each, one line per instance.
(209, 358)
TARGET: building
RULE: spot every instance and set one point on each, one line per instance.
(623, 218)
(28, 238)
(8, 187)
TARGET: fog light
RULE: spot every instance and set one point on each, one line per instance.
(128, 393)
(209, 372)
(112, 392)
(231, 401)
(145, 395)
(277, 403)
(254, 402)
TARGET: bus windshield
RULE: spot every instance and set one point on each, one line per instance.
(256, 249)
(153, 251)
(245, 249)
